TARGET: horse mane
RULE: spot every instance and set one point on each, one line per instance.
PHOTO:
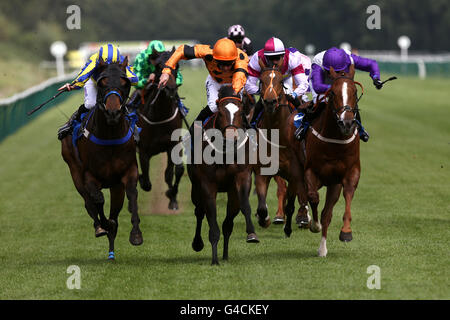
(227, 91)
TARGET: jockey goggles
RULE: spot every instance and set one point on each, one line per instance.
(224, 63)
(237, 39)
(275, 57)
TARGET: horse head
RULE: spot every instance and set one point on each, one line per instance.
(343, 99)
(113, 89)
(160, 64)
(271, 89)
(230, 115)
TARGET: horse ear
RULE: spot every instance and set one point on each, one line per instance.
(351, 72)
(124, 63)
(333, 73)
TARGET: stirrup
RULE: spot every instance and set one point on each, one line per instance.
(64, 131)
(301, 132)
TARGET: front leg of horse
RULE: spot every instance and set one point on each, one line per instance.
(197, 243)
(289, 209)
(262, 183)
(130, 183)
(173, 189)
(94, 205)
(227, 225)
(346, 231)
(117, 198)
(144, 178)
(281, 195)
(243, 186)
(214, 231)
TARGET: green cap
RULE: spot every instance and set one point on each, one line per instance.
(155, 45)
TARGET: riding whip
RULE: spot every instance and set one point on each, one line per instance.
(43, 104)
(391, 78)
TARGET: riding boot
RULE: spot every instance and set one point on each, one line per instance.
(363, 135)
(66, 129)
(308, 116)
(202, 116)
(258, 108)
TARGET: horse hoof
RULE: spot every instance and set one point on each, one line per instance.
(252, 238)
(111, 255)
(198, 245)
(173, 205)
(145, 185)
(287, 233)
(278, 220)
(136, 238)
(99, 232)
(315, 228)
(302, 222)
(345, 236)
(265, 223)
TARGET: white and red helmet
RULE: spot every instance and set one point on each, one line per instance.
(273, 47)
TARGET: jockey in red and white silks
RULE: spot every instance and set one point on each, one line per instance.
(293, 65)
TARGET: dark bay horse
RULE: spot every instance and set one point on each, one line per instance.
(159, 116)
(275, 120)
(332, 155)
(105, 156)
(232, 177)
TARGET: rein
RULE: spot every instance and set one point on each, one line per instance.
(271, 86)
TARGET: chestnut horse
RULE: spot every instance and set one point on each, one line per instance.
(275, 119)
(159, 116)
(233, 177)
(105, 155)
(332, 155)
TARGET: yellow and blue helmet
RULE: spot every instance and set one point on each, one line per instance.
(109, 53)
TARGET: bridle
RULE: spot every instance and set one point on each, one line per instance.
(271, 87)
(115, 89)
(230, 125)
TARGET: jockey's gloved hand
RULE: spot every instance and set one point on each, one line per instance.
(377, 83)
(292, 98)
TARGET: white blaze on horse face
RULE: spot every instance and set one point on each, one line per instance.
(344, 98)
(232, 109)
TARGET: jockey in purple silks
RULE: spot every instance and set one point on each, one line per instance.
(320, 82)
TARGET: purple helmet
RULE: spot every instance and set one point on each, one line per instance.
(336, 58)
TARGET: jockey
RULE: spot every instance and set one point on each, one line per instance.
(291, 63)
(144, 67)
(87, 78)
(227, 65)
(237, 34)
(320, 82)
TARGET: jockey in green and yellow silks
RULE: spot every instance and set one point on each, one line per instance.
(145, 67)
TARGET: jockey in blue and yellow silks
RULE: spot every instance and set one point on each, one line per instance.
(87, 78)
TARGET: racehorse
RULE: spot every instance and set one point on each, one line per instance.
(159, 116)
(105, 155)
(233, 177)
(332, 155)
(275, 119)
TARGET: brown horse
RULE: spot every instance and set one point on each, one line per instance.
(332, 155)
(105, 156)
(233, 177)
(159, 116)
(275, 119)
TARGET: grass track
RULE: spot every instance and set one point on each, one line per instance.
(401, 219)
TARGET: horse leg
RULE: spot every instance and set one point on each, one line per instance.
(197, 243)
(243, 185)
(172, 192)
(262, 184)
(129, 181)
(227, 225)
(95, 204)
(289, 209)
(281, 194)
(214, 231)
(117, 197)
(144, 178)
(349, 191)
(332, 197)
(303, 219)
(77, 177)
(313, 185)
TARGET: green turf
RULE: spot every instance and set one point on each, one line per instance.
(400, 219)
